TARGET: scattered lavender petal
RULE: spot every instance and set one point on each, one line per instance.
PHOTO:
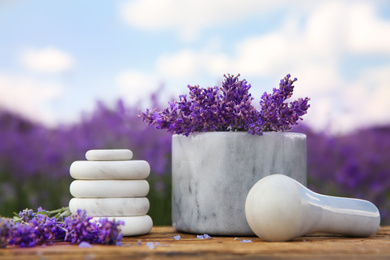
(178, 237)
(85, 244)
(150, 245)
(204, 236)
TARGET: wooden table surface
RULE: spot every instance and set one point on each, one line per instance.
(316, 246)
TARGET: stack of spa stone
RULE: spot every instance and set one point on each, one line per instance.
(110, 184)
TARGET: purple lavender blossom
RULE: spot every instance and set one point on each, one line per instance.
(278, 115)
(109, 231)
(29, 229)
(44, 227)
(32, 228)
(79, 228)
(5, 231)
(229, 108)
(22, 235)
(26, 215)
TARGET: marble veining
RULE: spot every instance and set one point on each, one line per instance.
(278, 208)
(213, 172)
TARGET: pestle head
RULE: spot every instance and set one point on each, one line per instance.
(278, 208)
(275, 208)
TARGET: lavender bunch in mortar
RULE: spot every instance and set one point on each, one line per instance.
(229, 108)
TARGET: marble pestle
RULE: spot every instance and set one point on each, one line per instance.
(278, 208)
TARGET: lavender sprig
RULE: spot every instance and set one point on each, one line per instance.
(109, 232)
(29, 228)
(278, 115)
(22, 235)
(229, 108)
(80, 227)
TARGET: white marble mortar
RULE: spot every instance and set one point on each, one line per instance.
(213, 172)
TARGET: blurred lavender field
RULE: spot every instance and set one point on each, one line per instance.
(353, 165)
(35, 160)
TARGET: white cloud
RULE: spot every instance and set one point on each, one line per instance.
(189, 17)
(367, 33)
(332, 29)
(137, 85)
(341, 105)
(29, 96)
(189, 64)
(263, 55)
(48, 60)
(369, 96)
(183, 64)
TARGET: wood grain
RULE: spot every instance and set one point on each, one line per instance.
(315, 246)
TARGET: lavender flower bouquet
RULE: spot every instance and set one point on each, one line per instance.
(222, 145)
(230, 108)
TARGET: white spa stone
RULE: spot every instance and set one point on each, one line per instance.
(109, 188)
(109, 155)
(110, 170)
(106, 207)
(278, 208)
(134, 226)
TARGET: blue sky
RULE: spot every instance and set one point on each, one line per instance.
(57, 58)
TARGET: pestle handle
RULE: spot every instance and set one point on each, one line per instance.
(346, 216)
